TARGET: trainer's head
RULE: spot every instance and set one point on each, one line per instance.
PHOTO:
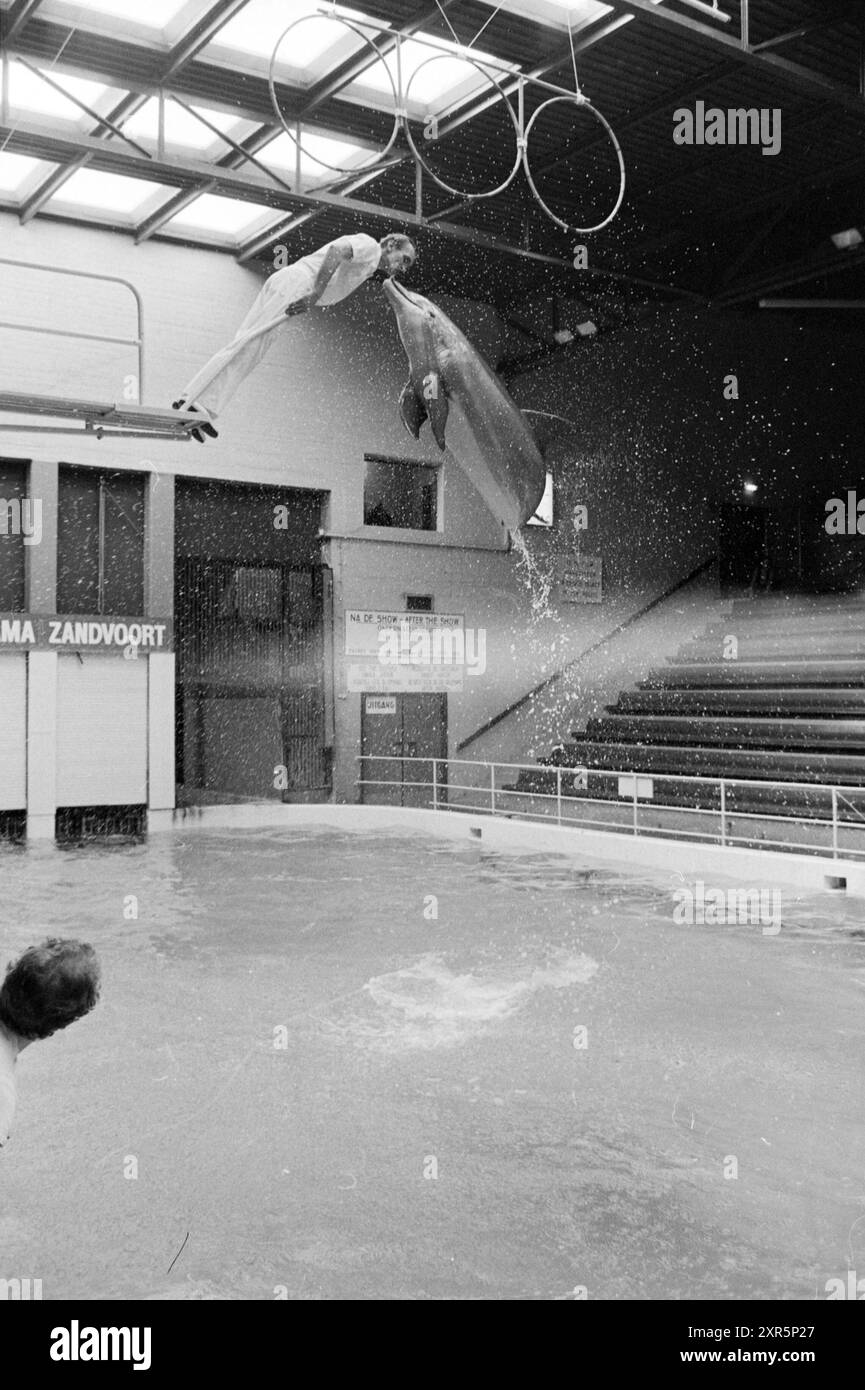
(398, 254)
(49, 987)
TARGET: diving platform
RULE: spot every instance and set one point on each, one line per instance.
(74, 415)
(99, 418)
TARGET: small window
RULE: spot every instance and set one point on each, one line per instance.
(544, 515)
(100, 542)
(399, 493)
(20, 520)
(419, 603)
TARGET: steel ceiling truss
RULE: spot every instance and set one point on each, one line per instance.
(192, 177)
(759, 58)
(183, 52)
(487, 68)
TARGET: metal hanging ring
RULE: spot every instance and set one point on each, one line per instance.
(583, 105)
(271, 82)
(448, 188)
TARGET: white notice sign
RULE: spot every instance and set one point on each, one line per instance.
(408, 652)
(581, 580)
(363, 629)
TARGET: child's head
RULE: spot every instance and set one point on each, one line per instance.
(48, 987)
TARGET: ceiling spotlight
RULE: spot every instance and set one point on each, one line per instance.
(845, 241)
(586, 330)
(563, 335)
(750, 487)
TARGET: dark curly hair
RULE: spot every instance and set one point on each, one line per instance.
(48, 987)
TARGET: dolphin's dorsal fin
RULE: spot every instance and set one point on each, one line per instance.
(412, 409)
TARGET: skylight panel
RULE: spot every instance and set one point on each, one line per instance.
(182, 130)
(30, 95)
(557, 13)
(228, 219)
(434, 78)
(314, 47)
(153, 22)
(281, 155)
(19, 174)
(112, 194)
(156, 14)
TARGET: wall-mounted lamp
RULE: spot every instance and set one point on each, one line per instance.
(845, 241)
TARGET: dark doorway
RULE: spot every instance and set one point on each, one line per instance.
(250, 627)
(745, 551)
(403, 727)
(786, 549)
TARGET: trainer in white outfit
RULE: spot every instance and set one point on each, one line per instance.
(324, 277)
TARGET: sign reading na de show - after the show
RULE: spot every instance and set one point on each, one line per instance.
(47, 632)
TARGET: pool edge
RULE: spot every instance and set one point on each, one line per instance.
(517, 836)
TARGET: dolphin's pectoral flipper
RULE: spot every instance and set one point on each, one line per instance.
(412, 409)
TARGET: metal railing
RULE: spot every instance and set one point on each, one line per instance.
(137, 342)
(834, 815)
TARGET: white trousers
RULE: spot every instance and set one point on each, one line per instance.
(216, 382)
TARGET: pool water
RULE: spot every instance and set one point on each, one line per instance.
(342, 1065)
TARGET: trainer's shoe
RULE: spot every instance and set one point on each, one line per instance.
(204, 428)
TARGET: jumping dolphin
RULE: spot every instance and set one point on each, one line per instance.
(451, 385)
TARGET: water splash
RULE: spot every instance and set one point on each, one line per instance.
(427, 1005)
(537, 578)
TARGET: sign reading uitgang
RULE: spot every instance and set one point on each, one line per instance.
(46, 632)
(380, 704)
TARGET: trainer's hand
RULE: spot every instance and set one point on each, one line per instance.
(299, 306)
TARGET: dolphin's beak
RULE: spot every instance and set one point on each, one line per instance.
(395, 292)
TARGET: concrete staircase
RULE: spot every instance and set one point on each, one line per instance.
(789, 706)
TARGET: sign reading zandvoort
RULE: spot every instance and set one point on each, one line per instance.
(47, 632)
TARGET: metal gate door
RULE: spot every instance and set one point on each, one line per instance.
(250, 681)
